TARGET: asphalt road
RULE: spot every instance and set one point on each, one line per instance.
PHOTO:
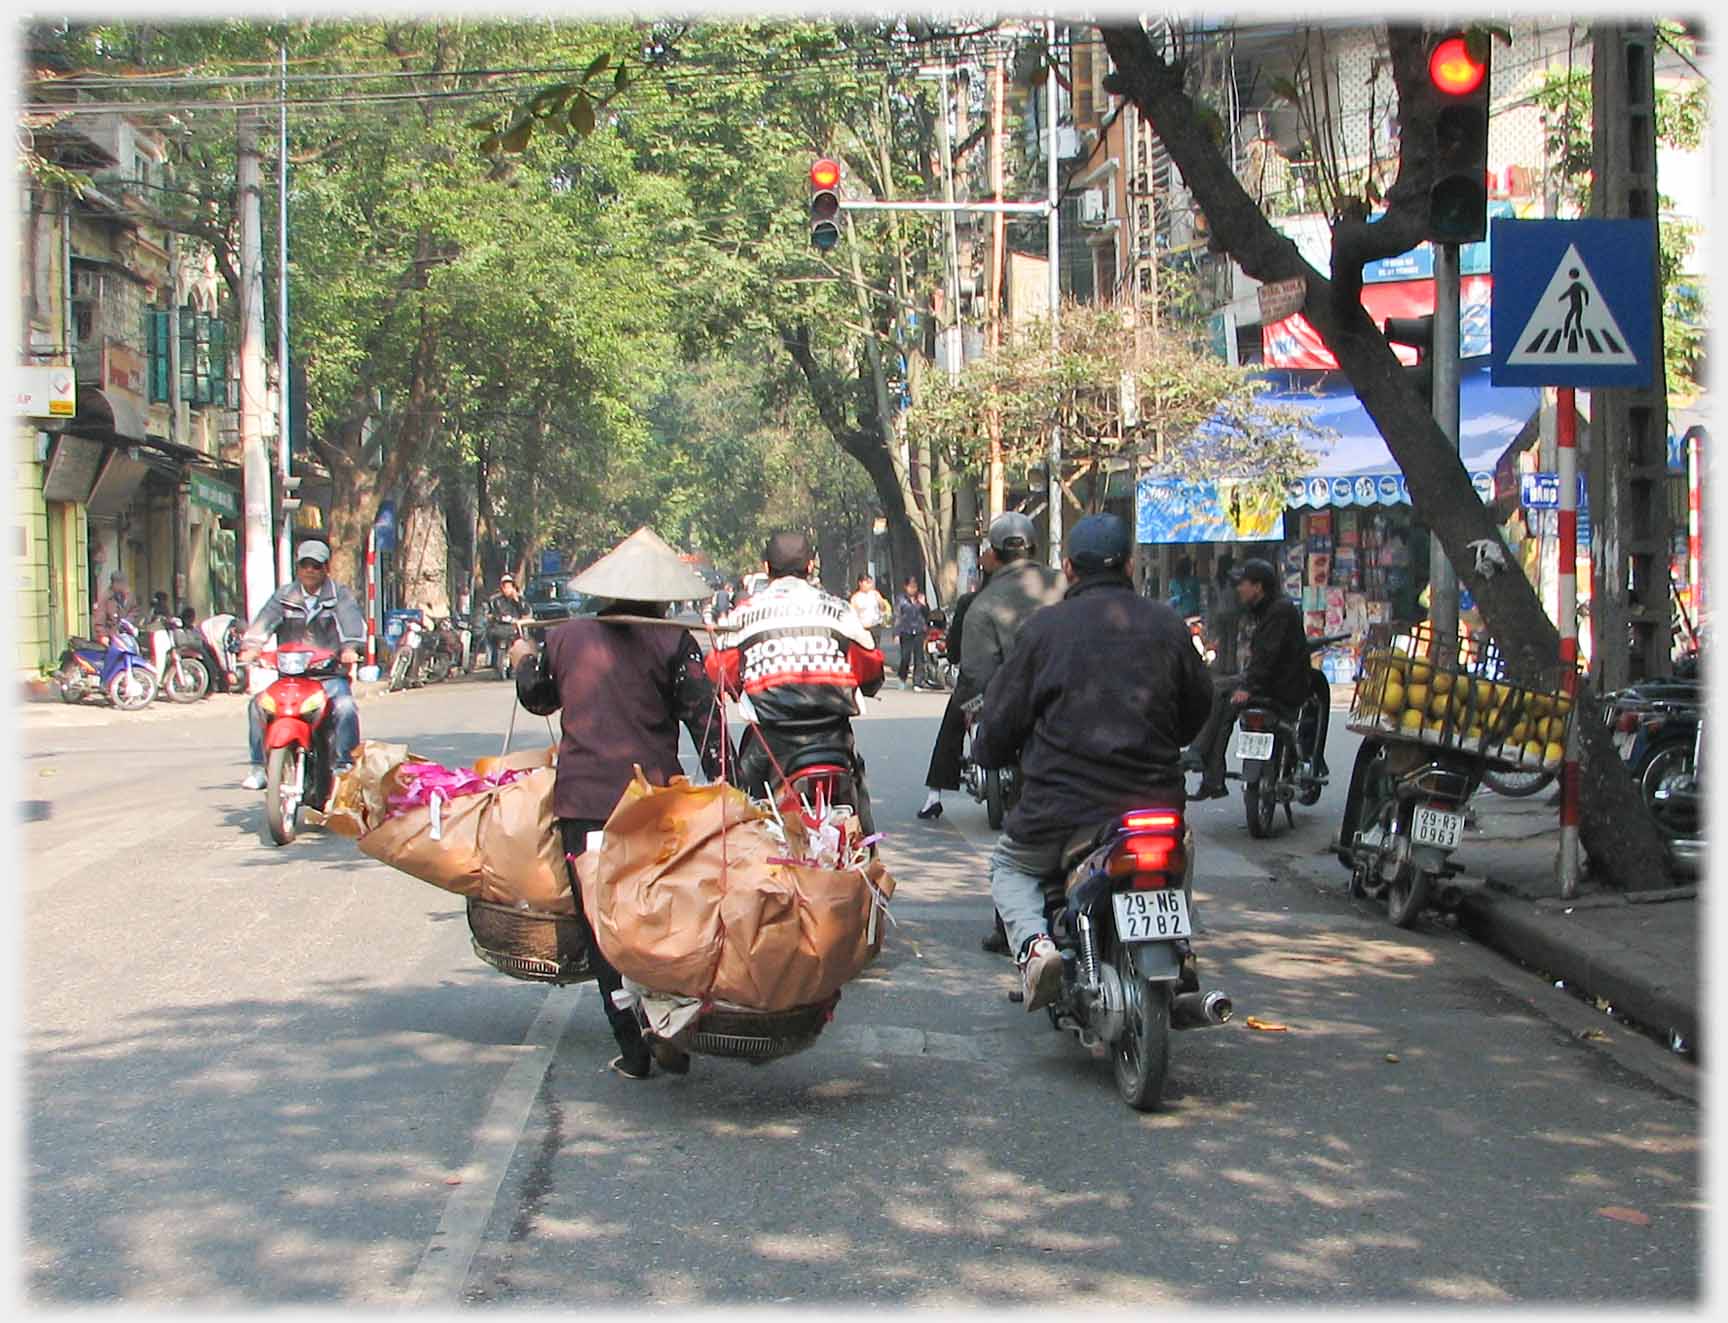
(281, 1077)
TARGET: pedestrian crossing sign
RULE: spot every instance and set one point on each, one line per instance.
(1574, 303)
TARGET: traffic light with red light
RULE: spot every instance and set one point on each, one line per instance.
(1458, 71)
(825, 204)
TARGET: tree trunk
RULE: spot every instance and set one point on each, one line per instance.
(423, 566)
(1617, 829)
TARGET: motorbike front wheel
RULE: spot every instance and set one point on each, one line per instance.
(186, 680)
(1141, 1056)
(399, 665)
(284, 784)
(132, 689)
(1516, 785)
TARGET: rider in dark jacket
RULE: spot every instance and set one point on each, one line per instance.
(1095, 701)
(1276, 666)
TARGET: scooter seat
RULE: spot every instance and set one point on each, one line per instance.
(816, 755)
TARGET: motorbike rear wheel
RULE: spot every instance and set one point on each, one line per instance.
(1260, 799)
(1141, 1056)
(132, 689)
(437, 668)
(186, 680)
(995, 799)
(1407, 892)
(284, 784)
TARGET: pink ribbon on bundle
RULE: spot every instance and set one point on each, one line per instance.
(430, 782)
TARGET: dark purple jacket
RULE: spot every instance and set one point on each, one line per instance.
(622, 690)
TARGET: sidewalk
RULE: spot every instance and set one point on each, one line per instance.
(34, 713)
(1635, 951)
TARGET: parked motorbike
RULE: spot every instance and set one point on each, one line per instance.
(1121, 914)
(940, 671)
(1431, 730)
(117, 671)
(405, 660)
(441, 652)
(298, 755)
(222, 635)
(1278, 754)
(996, 788)
(178, 654)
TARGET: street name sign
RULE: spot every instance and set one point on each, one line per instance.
(1574, 303)
(1281, 298)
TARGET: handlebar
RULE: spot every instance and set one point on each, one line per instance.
(1327, 640)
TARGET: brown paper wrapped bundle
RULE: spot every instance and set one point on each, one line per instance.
(523, 760)
(501, 845)
(685, 900)
(357, 799)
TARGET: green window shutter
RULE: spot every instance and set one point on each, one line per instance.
(188, 353)
(201, 386)
(218, 351)
(157, 339)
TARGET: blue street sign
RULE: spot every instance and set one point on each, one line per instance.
(1539, 491)
(1574, 303)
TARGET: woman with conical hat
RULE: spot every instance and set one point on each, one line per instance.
(622, 689)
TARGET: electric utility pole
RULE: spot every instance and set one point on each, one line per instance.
(255, 458)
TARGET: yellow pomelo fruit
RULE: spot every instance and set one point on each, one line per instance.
(1554, 753)
(1501, 693)
(1540, 705)
(1442, 683)
(1435, 726)
(1562, 707)
(1421, 672)
(1534, 749)
(1393, 699)
(1417, 696)
(1439, 705)
(1411, 721)
(1518, 733)
(1484, 693)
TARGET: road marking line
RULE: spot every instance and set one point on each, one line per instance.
(443, 1268)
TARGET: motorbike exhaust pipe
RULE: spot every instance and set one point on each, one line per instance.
(1200, 1010)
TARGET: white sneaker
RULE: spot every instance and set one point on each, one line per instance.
(254, 779)
(1041, 973)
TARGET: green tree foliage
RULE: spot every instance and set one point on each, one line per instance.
(1187, 412)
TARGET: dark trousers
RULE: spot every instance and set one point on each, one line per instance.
(1215, 733)
(950, 747)
(911, 658)
(626, 1028)
(756, 774)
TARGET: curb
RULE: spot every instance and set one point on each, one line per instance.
(1585, 963)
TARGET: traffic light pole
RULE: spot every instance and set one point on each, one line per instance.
(1442, 582)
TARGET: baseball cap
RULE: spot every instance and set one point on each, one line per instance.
(1256, 571)
(311, 549)
(1099, 542)
(1012, 530)
(506, 578)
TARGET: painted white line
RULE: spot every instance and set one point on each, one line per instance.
(437, 1282)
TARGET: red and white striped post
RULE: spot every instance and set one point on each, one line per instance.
(1566, 437)
(1695, 527)
(371, 596)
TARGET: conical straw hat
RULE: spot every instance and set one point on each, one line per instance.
(641, 568)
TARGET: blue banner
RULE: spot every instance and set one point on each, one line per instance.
(1169, 510)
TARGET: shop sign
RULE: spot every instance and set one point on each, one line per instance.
(1170, 510)
(214, 495)
(47, 392)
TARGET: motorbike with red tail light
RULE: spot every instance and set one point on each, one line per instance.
(299, 757)
(1121, 913)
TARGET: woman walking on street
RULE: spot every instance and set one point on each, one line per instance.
(910, 622)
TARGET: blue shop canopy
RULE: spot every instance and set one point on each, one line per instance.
(1356, 469)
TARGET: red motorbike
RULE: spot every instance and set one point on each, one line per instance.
(298, 755)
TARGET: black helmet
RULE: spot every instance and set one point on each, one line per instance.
(1260, 572)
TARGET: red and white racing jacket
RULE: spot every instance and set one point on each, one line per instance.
(798, 654)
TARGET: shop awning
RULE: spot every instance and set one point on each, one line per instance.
(1356, 469)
